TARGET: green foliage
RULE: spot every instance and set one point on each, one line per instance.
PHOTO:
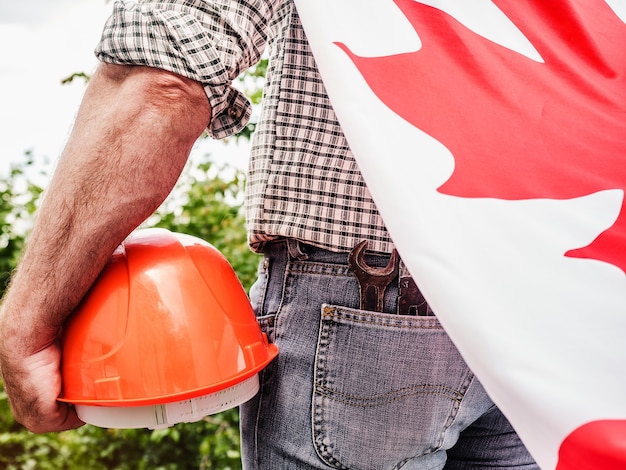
(19, 193)
(212, 443)
(207, 203)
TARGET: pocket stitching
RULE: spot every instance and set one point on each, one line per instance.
(329, 318)
(395, 395)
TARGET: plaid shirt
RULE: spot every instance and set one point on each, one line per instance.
(303, 181)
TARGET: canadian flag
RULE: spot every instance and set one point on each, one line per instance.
(492, 135)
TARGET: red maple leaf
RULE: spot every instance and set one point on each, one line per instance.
(519, 128)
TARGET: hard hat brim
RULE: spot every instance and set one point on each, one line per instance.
(272, 352)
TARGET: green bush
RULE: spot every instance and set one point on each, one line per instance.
(206, 203)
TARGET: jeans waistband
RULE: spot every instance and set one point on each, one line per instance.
(298, 250)
(410, 299)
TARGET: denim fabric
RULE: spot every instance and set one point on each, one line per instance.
(353, 389)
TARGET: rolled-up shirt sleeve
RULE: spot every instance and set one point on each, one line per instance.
(211, 42)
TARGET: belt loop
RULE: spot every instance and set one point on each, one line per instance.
(295, 250)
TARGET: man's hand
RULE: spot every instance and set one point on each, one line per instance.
(132, 136)
(33, 384)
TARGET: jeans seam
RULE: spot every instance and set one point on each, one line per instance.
(281, 303)
(454, 412)
(264, 269)
(390, 320)
(396, 395)
(316, 412)
(257, 420)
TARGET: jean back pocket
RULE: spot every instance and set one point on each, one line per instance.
(386, 388)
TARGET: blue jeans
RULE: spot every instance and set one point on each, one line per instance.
(353, 389)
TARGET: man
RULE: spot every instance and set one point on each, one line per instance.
(356, 384)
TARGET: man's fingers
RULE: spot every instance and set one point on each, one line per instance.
(62, 419)
(32, 385)
(71, 419)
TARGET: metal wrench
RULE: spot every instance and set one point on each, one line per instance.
(373, 281)
(411, 301)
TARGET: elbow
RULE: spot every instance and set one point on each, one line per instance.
(164, 93)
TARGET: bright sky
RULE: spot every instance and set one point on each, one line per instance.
(42, 42)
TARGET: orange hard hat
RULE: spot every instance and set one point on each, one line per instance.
(165, 335)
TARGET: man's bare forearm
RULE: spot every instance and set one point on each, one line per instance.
(131, 139)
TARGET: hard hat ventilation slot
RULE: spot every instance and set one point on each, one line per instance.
(168, 414)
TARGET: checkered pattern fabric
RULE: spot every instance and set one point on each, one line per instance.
(303, 181)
